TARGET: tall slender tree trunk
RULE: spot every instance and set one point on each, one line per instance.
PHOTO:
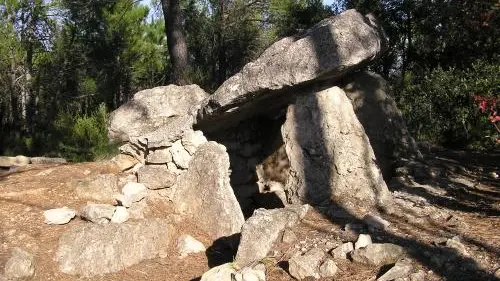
(221, 77)
(176, 41)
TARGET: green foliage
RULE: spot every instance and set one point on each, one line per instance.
(439, 107)
(84, 137)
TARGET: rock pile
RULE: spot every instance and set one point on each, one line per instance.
(283, 133)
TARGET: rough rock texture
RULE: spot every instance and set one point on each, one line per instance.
(151, 109)
(330, 154)
(203, 193)
(401, 269)
(124, 162)
(378, 254)
(307, 265)
(341, 251)
(98, 213)
(220, 273)
(47, 160)
(363, 241)
(328, 50)
(120, 215)
(99, 188)
(382, 120)
(90, 249)
(20, 266)
(260, 231)
(156, 176)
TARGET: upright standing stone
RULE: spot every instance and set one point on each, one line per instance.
(331, 158)
(203, 193)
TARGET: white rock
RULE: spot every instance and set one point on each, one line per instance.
(123, 200)
(249, 274)
(221, 273)
(363, 241)
(341, 251)
(134, 191)
(328, 269)
(20, 266)
(193, 139)
(180, 156)
(59, 216)
(121, 215)
(186, 245)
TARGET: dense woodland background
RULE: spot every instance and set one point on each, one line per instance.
(65, 64)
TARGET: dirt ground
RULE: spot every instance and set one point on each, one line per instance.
(454, 194)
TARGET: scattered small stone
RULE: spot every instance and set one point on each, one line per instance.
(186, 245)
(493, 175)
(457, 245)
(98, 213)
(289, 236)
(363, 241)
(225, 272)
(418, 276)
(401, 269)
(59, 216)
(21, 265)
(375, 221)
(341, 251)
(134, 191)
(120, 215)
(123, 200)
(307, 265)
(249, 274)
(328, 269)
(378, 254)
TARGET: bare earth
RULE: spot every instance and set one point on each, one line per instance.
(461, 197)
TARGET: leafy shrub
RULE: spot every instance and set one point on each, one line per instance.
(440, 106)
(84, 138)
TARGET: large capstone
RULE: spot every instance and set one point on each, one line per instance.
(327, 51)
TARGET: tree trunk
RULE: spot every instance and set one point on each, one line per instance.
(221, 77)
(176, 41)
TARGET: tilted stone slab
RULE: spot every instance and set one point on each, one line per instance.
(328, 50)
(91, 249)
(151, 109)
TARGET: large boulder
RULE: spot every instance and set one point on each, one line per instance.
(331, 158)
(382, 120)
(91, 249)
(151, 109)
(328, 50)
(204, 195)
(260, 232)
